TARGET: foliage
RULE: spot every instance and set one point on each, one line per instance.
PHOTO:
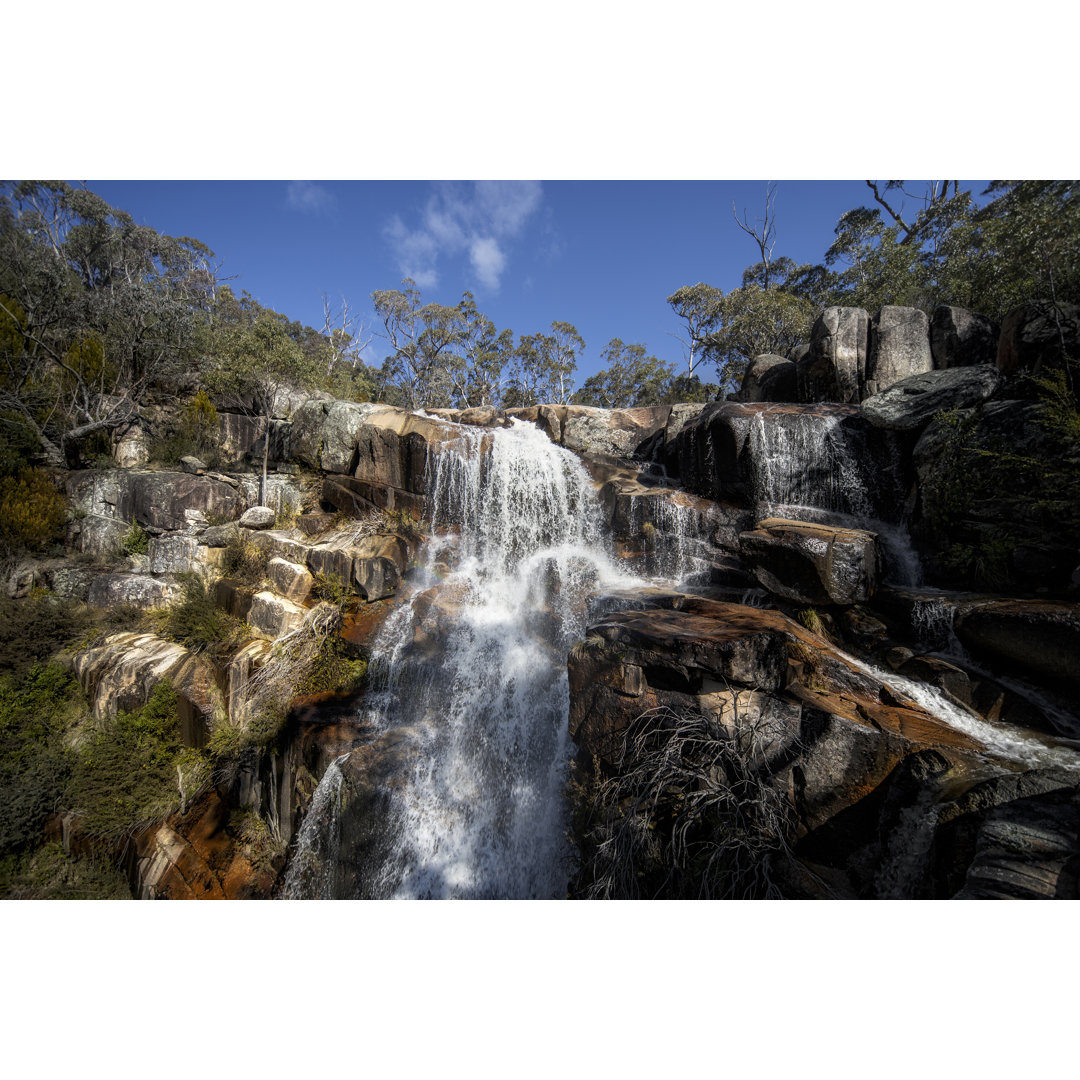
(36, 627)
(48, 873)
(983, 498)
(259, 844)
(243, 560)
(753, 321)
(631, 378)
(95, 310)
(36, 706)
(32, 511)
(196, 622)
(699, 306)
(331, 589)
(544, 366)
(133, 772)
(136, 540)
(691, 813)
(194, 432)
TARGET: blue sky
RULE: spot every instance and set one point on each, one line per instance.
(602, 255)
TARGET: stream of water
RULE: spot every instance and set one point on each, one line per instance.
(469, 688)
(474, 666)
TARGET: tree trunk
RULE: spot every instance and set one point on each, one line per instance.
(266, 458)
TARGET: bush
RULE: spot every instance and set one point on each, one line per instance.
(196, 622)
(244, 561)
(34, 628)
(50, 874)
(193, 432)
(36, 708)
(136, 540)
(32, 512)
(692, 813)
(136, 771)
(983, 499)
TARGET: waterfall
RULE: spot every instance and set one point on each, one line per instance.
(472, 672)
(681, 550)
(311, 869)
(811, 466)
(809, 459)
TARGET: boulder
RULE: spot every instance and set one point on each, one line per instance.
(1037, 337)
(899, 347)
(258, 517)
(960, 338)
(123, 670)
(219, 536)
(813, 564)
(193, 465)
(274, 616)
(769, 378)
(173, 554)
(834, 368)
(912, 402)
(132, 448)
(241, 667)
(290, 580)
(136, 590)
(1039, 640)
(681, 650)
(613, 432)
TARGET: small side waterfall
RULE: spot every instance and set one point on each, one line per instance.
(812, 466)
(311, 871)
(681, 550)
(808, 459)
(473, 676)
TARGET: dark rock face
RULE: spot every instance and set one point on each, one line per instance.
(899, 348)
(1041, 639)
(961, 338)
(769, 378)
(912, 402)
(813, 564)
(1038, 336)
(834, 368)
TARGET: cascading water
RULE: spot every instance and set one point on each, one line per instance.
(811, 466)
(682, 551)
(473, 672)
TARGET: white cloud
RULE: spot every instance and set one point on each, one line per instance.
(487, 260)
(479, 220)
(308, 198)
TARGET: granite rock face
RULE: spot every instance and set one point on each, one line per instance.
(914, 401)
(899, 348)
(769, 378)
(835, 366)
(961, 338)
(1037, 337)
(813, 564)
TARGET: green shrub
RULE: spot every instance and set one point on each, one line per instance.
(32, 512)
(196, 622)
(136, 540)
(258, 842)
(37, 706)
(333, 590)
(49, 874)
(134, 771)
(193, 432)
(37, 626)
(244, 561)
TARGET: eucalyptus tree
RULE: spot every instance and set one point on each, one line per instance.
(631, 378)
(423, 367)
(256, 361)
(96, 311)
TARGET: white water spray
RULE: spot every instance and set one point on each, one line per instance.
(475, 669)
